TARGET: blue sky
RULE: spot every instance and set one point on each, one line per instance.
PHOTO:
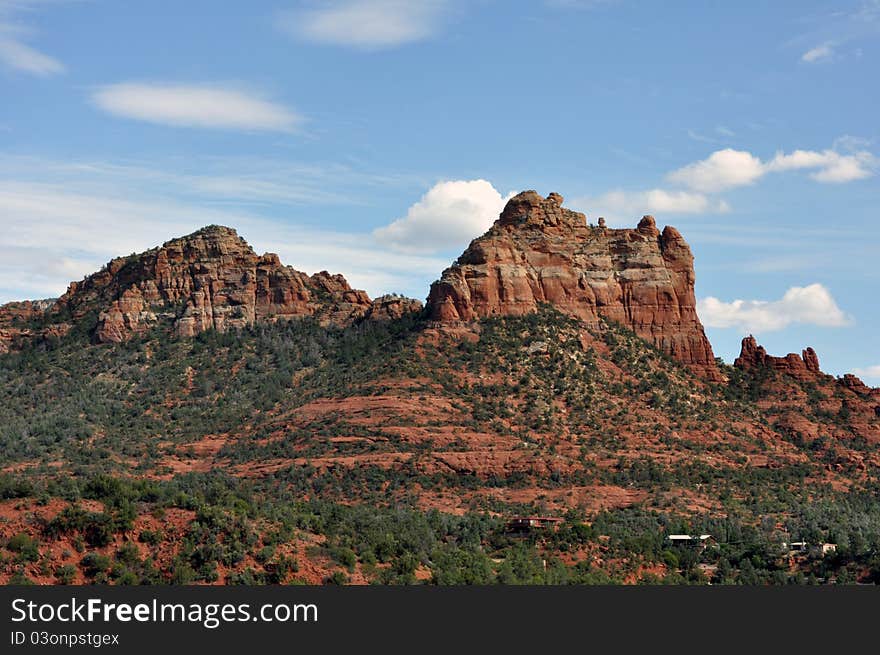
(377, 137)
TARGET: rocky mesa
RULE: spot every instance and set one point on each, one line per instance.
(540, 252)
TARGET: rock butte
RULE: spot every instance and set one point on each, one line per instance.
(540, 252)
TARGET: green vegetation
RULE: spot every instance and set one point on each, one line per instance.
(603, 403)
(235, 521)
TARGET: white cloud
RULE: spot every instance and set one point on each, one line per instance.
(449, 215)
(796, 160)
(620, 205)
(21, 57)
(723, 169)
(14, 52)
(869, 372)
(833, 166)
(729, 168)
(182, 105)
(813, 305)
(820, 52)
(367, 24)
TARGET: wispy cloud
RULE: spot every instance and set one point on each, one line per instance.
(868, 372)
(63, 220)
(621, 207)
(696, 135)
(819, 53)
(719, 134)
(46, 223)
(15, 53)
(203, 106)
(229, 180)
(833, 35)
(812, 305)
(366, 24)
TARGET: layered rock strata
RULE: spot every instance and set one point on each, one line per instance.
(540, 252)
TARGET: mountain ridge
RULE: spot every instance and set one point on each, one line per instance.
(537, 252)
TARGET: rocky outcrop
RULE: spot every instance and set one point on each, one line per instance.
(211, 279)
(21, 321)
(540, 252)
(855, 384)
(391, 307)
(802, 367)
(21, 313)
(869, 394)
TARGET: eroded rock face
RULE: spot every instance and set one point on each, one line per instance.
(391, 307)
(211, 279)
(855, 384)
(804, 367)
(18, 323)
(540, 252)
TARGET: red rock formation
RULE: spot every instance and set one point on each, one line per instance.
(811, 360)
(390, 307)
(209, 279)
(19, 321)
(803, 367)
(856, 385)
(869, 394)
(539, 252)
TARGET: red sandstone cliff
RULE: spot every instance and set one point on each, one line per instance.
(540, 252)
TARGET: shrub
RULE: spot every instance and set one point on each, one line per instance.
(65, 574)
(94, 563)
(25, 546)
(338, 578)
